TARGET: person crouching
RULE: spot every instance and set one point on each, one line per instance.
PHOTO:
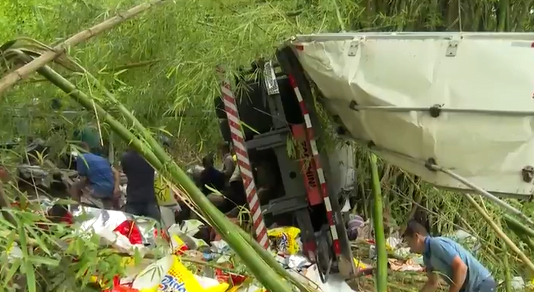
(443, 256)
(98, 177)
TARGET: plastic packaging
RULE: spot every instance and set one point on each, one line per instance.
(178, 245)
(286, 240)
(169, 274)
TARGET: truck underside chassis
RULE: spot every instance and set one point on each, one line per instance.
(276, 134)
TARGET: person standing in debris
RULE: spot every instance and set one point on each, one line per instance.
(229, 164)
(237, 193)
(212, 180)
(457, 266)
(98, 176)
(140, 192)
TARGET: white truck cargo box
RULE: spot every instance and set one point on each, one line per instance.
(383, 85)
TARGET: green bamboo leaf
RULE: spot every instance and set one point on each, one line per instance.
(137, 257)
(165, 132)
(119, 72)
(10, 239)
(38, 239)
(37, 260)
(84, 269)
(214, 191)
(13, 269)
(29, 271)
(249, 127)
(6, 224)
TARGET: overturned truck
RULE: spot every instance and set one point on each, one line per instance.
(434, 104)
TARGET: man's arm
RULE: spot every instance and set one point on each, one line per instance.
(451, 257)
(117, 178)
(228, 168)
(432, 278)
(81, 166)
(459, 273)
(432, 282)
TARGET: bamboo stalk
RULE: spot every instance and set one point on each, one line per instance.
(528, 263)
(507, 274)
(415, 206)
(380, 240)
(529, 241)
(24, 71)
(514, 223)
(262, 271)
(106, 70)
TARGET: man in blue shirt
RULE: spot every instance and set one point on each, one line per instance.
(98, 176)
(460, 270)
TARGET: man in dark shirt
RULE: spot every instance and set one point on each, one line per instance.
(212, 180)
(140, 192)
(211, 177)
(228, 162)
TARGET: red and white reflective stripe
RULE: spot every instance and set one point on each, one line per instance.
(243, 161)
(319, 169)
(309, 174)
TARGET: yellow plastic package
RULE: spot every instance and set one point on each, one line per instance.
(170, 275)
(164, 194)
(286, 240)
(359, 264)
(178, 245)
(247, 288)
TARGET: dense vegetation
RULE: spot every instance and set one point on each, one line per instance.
(162, 65)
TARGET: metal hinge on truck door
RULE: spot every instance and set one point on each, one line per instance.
(452, 47)
(353, 47)
(270, 78)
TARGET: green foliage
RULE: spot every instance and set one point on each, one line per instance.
(183, 42)
(38, 255)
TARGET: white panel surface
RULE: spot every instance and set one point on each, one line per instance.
(488, 72)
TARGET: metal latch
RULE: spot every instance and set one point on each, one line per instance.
(353, 48)
(452, 48)
(270, 79)
(527, 173)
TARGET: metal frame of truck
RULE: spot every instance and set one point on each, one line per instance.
(305, 180)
